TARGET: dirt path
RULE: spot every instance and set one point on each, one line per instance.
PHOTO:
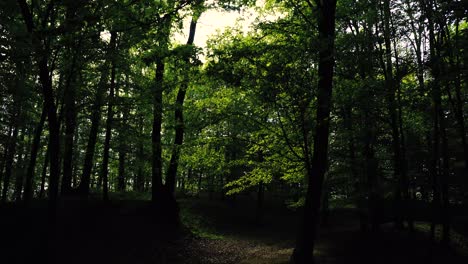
(229, 235)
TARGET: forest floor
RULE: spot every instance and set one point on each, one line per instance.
(229, 233)
(216, 232)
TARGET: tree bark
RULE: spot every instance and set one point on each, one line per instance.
(121, 179)
(109, 122)
(84, 186)
(179, 118)
(440, 182)
(157, 184)
(15, 123)
(44, 173)
(391, 90)
(12, 142)
(70, 123)
(42, 53)
(303, 252)
(28, 189)
(140, 180)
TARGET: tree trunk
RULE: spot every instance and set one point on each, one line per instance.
(70, 123)
(121, 180)
(260, 202)
(435, 65)
(20, 163)
(92, 138)
(303, 252)
(5, 155)
(42, 52)
(390, 89)
(12, 142)
(28, 189)
(15, 123)
(459, 102)
(179, 118)
(140, 180)
(157, 184)
(109, 121)
(44, 173)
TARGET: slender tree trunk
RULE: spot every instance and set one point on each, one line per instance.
(179, 118)
(70, 124)
(10, 160)
(92, 138)
(199, 185)
(28, 189)
(5, 154)
(459, 102)
(140, 181)
(436, 110)
(42, 52)
(22, 157)
(121, 180)
(404, 181)
(44, 173)
(356, 180)
(109, 122)
(13, 140)
(157, 184)
(391, 90)
(303, 252)
(445, 213)
(260, 203)
(370, 168)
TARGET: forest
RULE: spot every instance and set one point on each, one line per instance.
(325, 131)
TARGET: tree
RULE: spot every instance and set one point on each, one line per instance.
(303, 252)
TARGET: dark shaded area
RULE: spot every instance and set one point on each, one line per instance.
(216, 232)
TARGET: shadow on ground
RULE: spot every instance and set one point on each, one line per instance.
(217, 232)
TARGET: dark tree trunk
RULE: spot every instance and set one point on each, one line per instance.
(44, 173)
(109, 121)
(5, 154)
(92, 138)
(157, 184)
(179, 118)
(54, 139)
(459, 102)
(199, 185)
(70, 123)
(140, 180)
(121, 179)
(370, 171)
(22, 157)
(28, 189)
(179, 136)
(15, 123)
(260, 202)
(404, 181)
(12, 142)
(356, 179)
(391, 90)
(303, 252)
(435, 65)
(42, 52)
(444, 182)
